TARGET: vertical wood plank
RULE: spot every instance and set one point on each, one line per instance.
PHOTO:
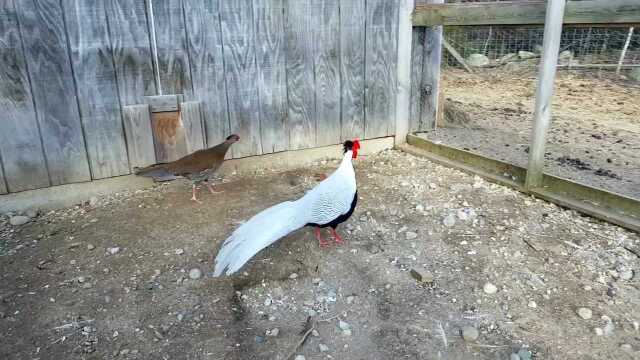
(45, 42)
(240, 72)
(300, 75)
(417, 61)
(403, 68)
(173, 60)
(381, 56)
(97, 89)
(271, 64)
(207, 66)
(191, 116)
(352, 61)
(137, 128)
(430, 84)
(131, 49)
(3, 183)
(20, 147)
(327, 71)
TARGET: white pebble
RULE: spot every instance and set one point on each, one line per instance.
(195, 274)
(490, 289)
(584, 313)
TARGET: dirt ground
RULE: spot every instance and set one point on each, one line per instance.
(595, 133)
(110, 279)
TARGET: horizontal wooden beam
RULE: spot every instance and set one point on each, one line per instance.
(526, 13)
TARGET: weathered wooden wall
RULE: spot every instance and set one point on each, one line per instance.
(283, 74)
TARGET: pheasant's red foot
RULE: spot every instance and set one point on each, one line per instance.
(337, 237)
(323, 243)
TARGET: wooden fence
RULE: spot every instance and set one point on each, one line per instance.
(75, 76)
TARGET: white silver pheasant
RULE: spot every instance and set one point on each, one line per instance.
(328, 204)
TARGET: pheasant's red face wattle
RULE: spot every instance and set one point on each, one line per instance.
(356, 147)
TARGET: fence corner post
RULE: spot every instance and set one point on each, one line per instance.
(403, 91)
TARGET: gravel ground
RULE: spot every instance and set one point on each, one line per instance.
(438, 264)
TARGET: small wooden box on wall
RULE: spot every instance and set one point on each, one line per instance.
(162, 130)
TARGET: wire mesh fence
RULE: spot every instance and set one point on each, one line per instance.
(581, 46)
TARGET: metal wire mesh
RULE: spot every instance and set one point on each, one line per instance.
(588, 45)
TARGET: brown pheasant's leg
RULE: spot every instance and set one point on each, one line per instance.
(211, 190)
(336, 237)
(193, 193)
(321, 241)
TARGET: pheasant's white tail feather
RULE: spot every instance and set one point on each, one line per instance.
(260, 231)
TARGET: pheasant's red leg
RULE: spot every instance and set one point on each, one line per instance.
(321, 241)
(211, 190)
(336, 237)
(193, 192)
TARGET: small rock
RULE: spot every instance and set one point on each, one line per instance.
(532, 304)
(315, 333)
(293, 276)
(419, 208)
(346, 332)
(422, 276)
(350, 299)
(609, 328)
(526, 55)
(636, 325)
(411, 235)
(612, 291)
(490, 289)
(33, 213)
(477, 60)
(524, 354)
(626, 275)
(90, 247)
(113, 250)
(268, 302)
(300, 357)
(81, 279)
(93, 201)
(344, 325)
(316, 281)
(19, 220)
(598, 331)
(195, 274)
(626, 347)
(323, 347)
(635, 74)
(179, 251)
(470, 333)
(180, 317)
(259, 339)
(273, 332)
(584, 313)
(449, 220)
(433, 186)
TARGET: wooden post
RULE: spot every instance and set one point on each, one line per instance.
(403, 96)
(624, 50)
(544, 94)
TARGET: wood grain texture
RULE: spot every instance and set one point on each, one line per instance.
(97, 89)
(238, 38)
(191, 116)
(271, 66)
(300, 75)
(327, 71)
(20, 147)
(137, 128)
(417, 61)
(45, 42)
(527, 12)
(131, 50)
(173, 59)
(430, 84)
(352, 60)
(204, 41)
(380, 72)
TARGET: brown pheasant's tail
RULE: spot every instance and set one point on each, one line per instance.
(158, 172)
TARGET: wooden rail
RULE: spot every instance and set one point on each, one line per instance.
(526, 13)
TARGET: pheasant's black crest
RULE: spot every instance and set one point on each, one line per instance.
(348, 145)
